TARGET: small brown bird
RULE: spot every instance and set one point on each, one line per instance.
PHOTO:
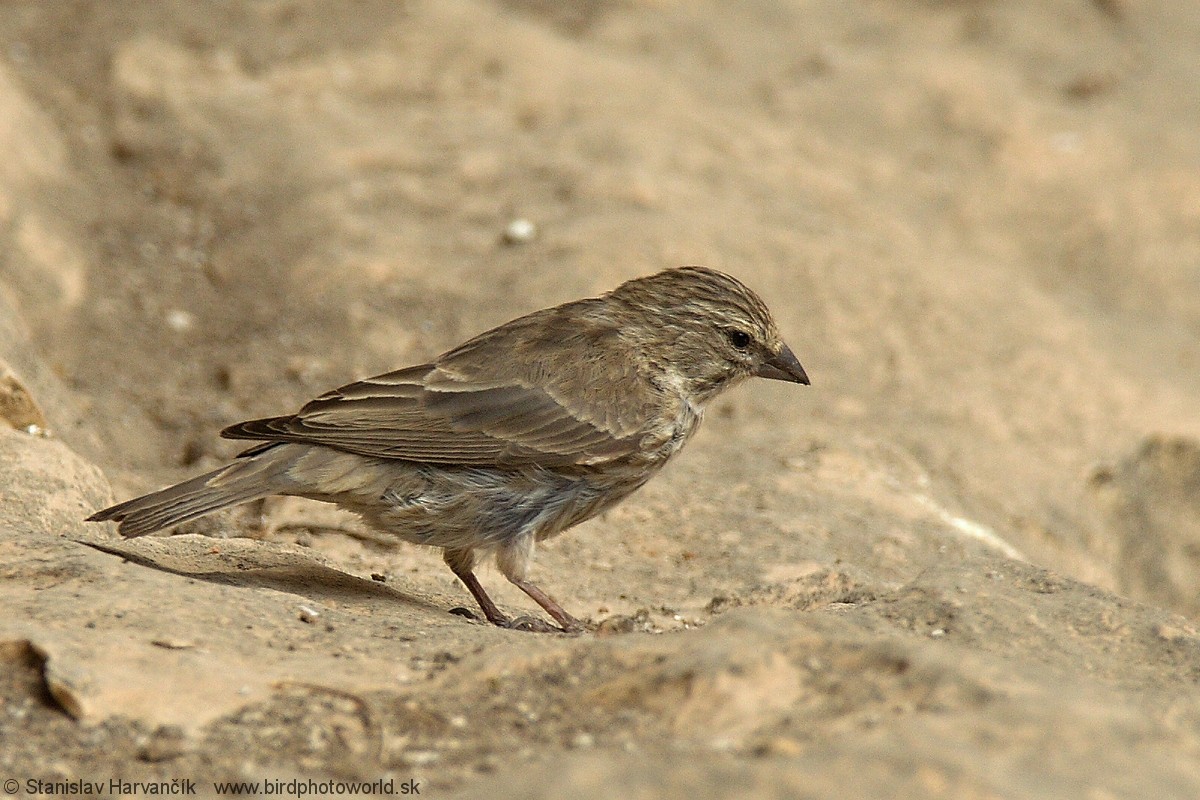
(512, 437)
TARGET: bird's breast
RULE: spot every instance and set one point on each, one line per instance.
(668, 438)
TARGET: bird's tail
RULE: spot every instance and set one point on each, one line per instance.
(261, 475)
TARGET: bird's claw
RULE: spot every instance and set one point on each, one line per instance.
(524, 623)
(530, 625)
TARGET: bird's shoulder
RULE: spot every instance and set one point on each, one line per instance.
(578, 354)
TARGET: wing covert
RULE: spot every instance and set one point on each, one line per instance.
(469, 423)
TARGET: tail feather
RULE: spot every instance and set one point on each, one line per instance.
(230, 485)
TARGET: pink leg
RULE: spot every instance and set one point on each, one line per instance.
(565, 620)
(460, 563)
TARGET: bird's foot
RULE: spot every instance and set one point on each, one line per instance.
(569, 624)
(526, 623)
(529, 624)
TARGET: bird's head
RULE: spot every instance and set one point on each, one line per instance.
(704, 331)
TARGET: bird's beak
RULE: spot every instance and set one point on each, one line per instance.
(783, 366)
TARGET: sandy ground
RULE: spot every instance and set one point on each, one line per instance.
(965, 563)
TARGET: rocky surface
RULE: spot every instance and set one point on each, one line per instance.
(964, 563)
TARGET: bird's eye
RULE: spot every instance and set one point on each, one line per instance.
(739, 339)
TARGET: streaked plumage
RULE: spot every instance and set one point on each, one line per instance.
(512, 437)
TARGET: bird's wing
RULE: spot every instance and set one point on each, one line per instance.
(429, 414)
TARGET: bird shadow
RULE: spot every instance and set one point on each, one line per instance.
(294, 574)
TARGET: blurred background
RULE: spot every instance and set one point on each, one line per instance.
(977, 222)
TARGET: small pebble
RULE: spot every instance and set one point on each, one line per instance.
(173, 644)
(179, 320)
(520, 231)
(309, 615)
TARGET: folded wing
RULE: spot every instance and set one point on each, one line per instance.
(424, 414)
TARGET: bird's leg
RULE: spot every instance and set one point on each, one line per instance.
(565, 620)
(460, 563)
(513, 559)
